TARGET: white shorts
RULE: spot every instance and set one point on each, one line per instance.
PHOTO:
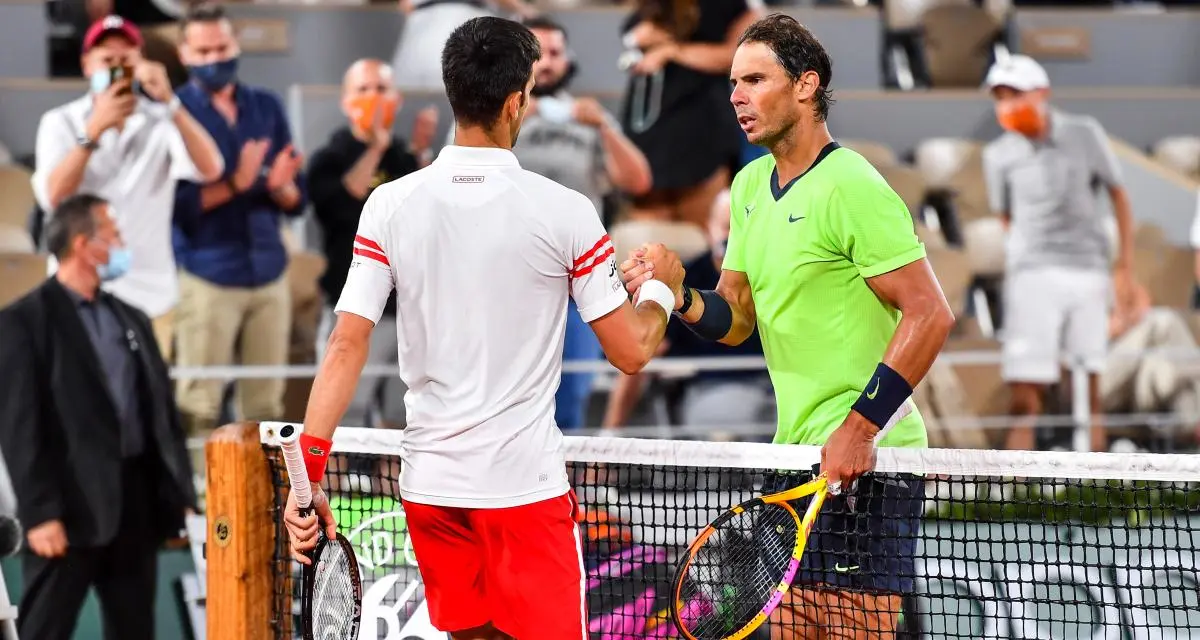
(1054, 316)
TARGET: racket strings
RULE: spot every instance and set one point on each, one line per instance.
(333, 598)
(737, 570)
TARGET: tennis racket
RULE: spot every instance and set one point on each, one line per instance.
(739, 568)
(331, 593)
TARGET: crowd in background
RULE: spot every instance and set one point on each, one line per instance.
(165, 196)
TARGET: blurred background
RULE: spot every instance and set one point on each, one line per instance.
(908, 83)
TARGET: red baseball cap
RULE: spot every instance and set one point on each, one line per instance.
(111, 25)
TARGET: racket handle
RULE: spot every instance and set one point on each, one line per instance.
(293, 459)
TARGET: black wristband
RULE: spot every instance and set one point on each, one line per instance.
(884, 394)
(687, 301)
(717, 319)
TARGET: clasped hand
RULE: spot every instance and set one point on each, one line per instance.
(653, 262)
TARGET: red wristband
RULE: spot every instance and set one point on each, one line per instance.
(316, 455)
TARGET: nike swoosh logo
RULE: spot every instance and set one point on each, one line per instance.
(871, 394)
(791, 219)
(840, 569)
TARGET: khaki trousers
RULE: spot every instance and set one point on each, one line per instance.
(164, 334)
(821, 614)
(215, 323)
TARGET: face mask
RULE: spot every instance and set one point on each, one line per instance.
(363, 111)
(119, 261)
(555, 110)
(100, 81)
(215, 76)
(103, 79)
(1022, 117)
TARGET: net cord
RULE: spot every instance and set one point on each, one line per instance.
(753, 455)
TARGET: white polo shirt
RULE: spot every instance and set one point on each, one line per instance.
(482, 255)
(135, 170)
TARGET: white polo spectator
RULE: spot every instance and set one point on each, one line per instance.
(127, 141)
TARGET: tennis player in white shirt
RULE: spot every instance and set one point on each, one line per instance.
(483, 255)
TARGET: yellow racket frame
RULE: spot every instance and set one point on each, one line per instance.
(818, 488)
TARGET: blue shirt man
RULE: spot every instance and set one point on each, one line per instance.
(227, 234)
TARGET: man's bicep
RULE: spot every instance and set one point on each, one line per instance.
(908, 286)
(1104, 159)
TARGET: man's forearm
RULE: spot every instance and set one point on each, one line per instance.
(334, 386)
(200, 146)
(626, 165)
(357, 180)
(919, 338)
(287, 196)
(214, 195)
(741, 323)
(65, 179)
(1124, 214)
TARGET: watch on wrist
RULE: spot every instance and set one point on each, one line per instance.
(88, 143)
(687, 301)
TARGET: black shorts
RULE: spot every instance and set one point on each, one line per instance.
(865, 538)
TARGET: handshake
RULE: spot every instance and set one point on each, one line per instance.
(653, 262)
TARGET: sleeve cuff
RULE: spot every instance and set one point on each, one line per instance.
(891, 264)
(604, 306)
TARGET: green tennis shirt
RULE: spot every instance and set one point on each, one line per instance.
(808, 249)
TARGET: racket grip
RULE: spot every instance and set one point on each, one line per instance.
(293, 459)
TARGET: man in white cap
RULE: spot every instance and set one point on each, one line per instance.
(1044, 175)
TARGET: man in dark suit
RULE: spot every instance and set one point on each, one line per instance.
(91, 435)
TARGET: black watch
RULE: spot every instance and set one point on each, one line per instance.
(88, 143)
(687, 301)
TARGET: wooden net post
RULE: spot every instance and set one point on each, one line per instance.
(241, 535)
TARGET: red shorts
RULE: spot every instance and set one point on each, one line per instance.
(520, 568)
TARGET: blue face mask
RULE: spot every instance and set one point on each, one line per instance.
(119, 261)
(215, 76)
(100, 81)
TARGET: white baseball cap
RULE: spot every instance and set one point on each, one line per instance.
(1019, 72)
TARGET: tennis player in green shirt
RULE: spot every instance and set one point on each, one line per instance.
(824, 259)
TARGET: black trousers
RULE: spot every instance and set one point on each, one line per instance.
(124, 573)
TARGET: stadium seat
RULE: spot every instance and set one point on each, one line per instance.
(983, 239)
(1181, 153)
(953, 170)
(683, 238)
(15, 239)
(877, 153)
(19, 274)
(1158, 264)
(16, 195)
(959, 44)
(909, 184)
(936, 42)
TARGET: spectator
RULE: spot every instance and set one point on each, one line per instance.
(576, 143)
(427, 25)
(1141, 382)
(154, 17)
(679, 86)
(359, 157)
(710, 398)
(90, 435)
(1041, 178)
(227, 233)
(128, 141)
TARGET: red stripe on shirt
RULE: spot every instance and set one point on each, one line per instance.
(370, 244)
(584, 258)
(583, 271)
(374, 255)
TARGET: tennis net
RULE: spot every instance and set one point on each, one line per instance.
(1004, 544)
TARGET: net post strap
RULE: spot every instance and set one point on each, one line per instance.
(753, 455)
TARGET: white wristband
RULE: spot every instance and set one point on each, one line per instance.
(657, 292)
(173, 104)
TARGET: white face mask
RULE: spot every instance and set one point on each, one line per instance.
(555, 110)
